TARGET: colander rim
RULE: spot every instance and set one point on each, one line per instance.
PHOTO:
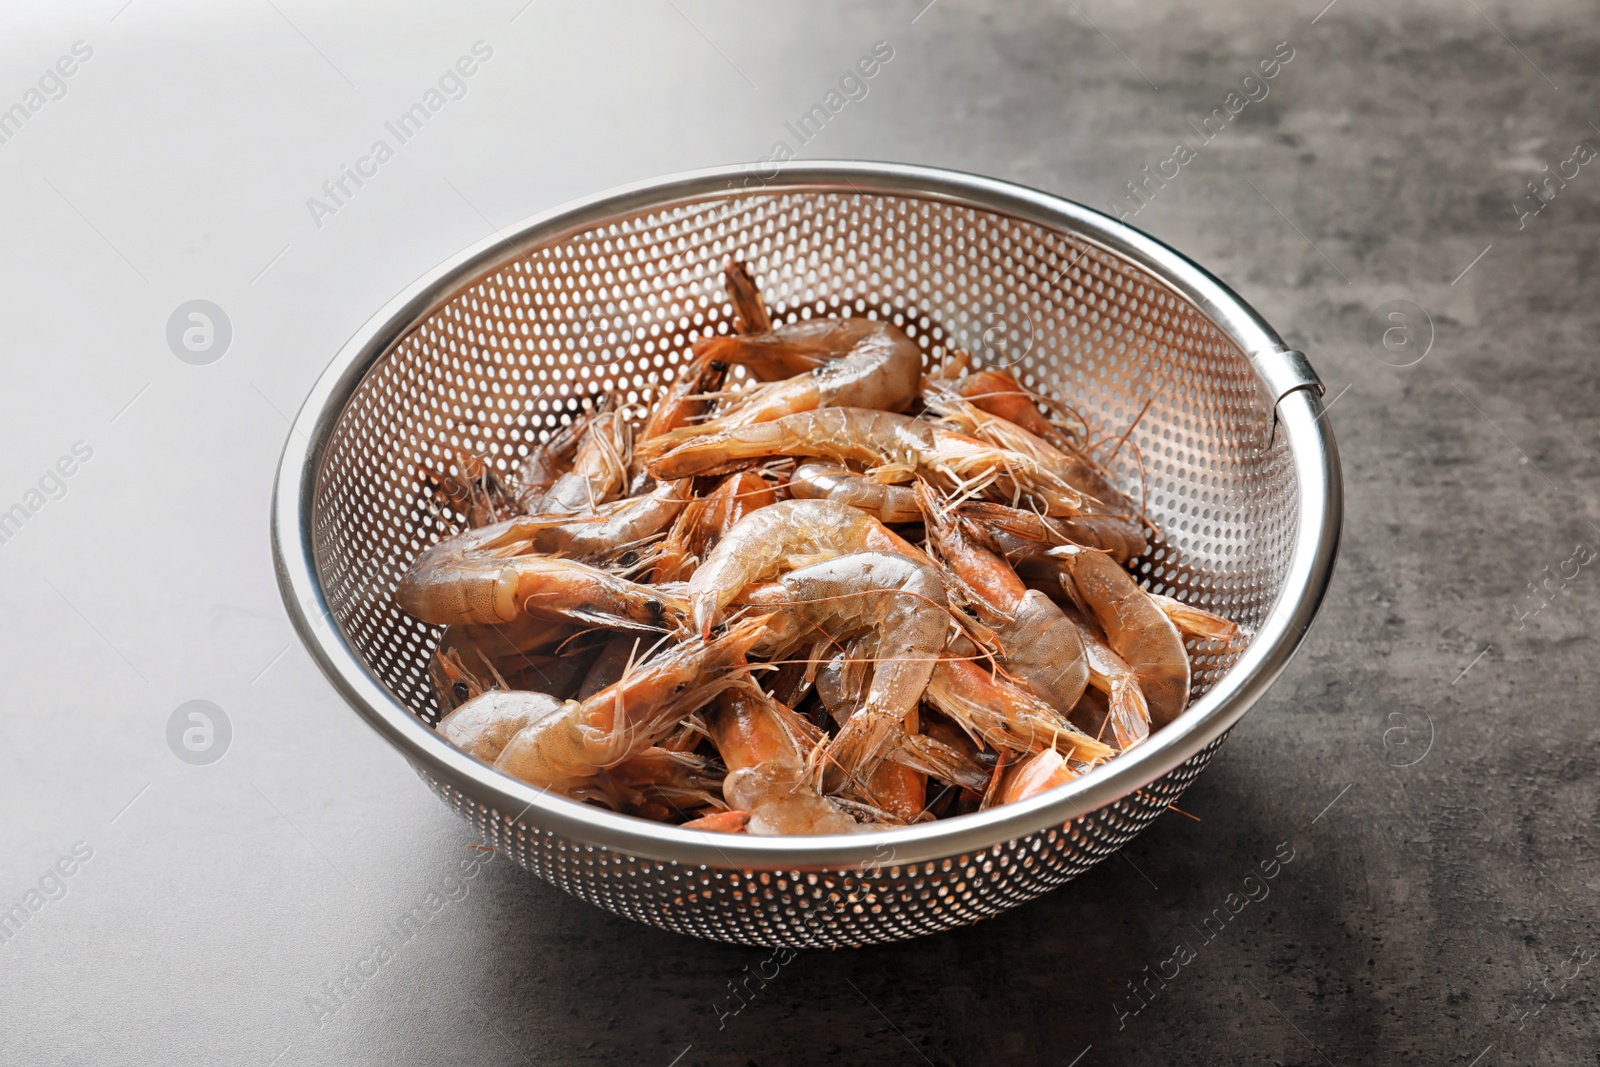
(1283, 372)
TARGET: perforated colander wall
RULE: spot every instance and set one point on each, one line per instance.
(1176, 409)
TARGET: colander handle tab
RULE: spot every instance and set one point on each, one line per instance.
(1285, 371)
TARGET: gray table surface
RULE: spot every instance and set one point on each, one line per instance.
(1428, 761)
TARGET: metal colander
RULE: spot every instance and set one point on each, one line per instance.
(495, 348)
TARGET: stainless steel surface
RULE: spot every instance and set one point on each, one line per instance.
(498, 344)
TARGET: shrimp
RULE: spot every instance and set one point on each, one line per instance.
(999, 714)
(842, 685)
(607, 530)
(897, 605)
(464, 580)
(779, 537)
(765, 745)
(517, 654)
(677, 781)
(827, 481)
(485, 725)
(1126, 711)
(678, 405)
(737, 496)
(1135, 627)
(721, 822)
(1123, 539)
(675, 555)
(689, 395)
(610, 665)
(878, 439)
(1042, 649)
(953, 367)
(820, 363)
(564, 749)
(599, 470)
(546, 462)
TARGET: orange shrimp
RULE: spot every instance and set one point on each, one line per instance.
(877, 439)
(1135, 627)
(721, 822)
(749, 308)
(829, 481)
(998, 713)
(1125, 540)
(469, 579)
(1197, 622)
(898, 606)
(821, 363)
(680, 403)
(1039, 646)
(1039, 773)
(564, 749)
(765, 745)
(779, 537)
(737, 496)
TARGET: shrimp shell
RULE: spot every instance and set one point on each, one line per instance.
(827, 481)
(1135, 628)
(562, 750)
(818, 363)
(898, 605)
(780, 537)
(875, 439)
(462, 580)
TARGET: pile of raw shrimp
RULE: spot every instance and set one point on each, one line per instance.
(849, 594)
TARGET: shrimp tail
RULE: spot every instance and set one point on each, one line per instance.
(1129, 715)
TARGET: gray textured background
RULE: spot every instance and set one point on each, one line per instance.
(1438, 913)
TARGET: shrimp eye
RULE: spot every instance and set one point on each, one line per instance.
(628, 558)
(718, 366)
(461, 691)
